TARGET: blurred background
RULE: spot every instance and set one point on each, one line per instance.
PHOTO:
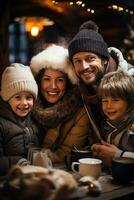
(28, 26)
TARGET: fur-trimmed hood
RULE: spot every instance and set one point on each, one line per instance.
(122, 63)
(55, 57)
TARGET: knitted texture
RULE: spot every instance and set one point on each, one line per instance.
(17, 78)
(88, 40)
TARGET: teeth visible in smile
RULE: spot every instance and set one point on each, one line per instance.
(111, 113)
(23, 108)
(89, 71)
(86, 72)
(52, 93)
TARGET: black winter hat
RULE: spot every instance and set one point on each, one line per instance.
(88, 39)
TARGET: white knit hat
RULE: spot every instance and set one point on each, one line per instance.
(55, 57)
(17, 78)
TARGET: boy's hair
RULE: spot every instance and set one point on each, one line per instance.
(117, 84)
(17, 78)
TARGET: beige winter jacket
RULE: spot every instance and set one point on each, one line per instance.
(74, 131)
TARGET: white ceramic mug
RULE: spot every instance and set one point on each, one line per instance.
(88, 167)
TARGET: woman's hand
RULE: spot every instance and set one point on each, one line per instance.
(104, 151)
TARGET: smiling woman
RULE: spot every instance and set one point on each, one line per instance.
(59, 108)
(53, 85)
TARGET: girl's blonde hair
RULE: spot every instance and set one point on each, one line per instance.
(117, 84)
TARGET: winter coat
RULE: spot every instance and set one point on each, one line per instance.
(16, 136)
(120, 133)
(90, 99)
(65, 123)
(73, 131)
(124, 141)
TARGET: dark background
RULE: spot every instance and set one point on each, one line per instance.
(113, 24)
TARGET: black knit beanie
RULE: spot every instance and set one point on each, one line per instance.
(88, 39)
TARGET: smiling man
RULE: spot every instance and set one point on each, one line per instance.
(89, 67)
(92, 59)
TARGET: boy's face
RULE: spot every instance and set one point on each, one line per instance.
(89, 67)
(21, 103)
(114, 108)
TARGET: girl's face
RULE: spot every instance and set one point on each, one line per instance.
(114, 108)
(21, 103)
(53, 85)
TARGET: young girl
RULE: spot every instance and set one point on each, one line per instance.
(116, 91)
(17, 130)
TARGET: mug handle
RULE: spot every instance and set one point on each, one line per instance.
(73, 166)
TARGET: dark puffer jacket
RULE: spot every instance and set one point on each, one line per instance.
(16, 136)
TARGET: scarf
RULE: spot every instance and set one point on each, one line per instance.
(63, 110)
(113, 128)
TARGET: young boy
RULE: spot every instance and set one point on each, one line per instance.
(116, 91)
(17, 129)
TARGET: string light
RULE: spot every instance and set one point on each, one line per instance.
(79, 4)
(121, 9)
(71, 3)
(84, 5)
(55, 2)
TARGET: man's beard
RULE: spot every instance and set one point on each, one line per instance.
(95, 81)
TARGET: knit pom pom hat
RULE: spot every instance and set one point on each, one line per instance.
(17, 78)
(54, 57)
(88, 40)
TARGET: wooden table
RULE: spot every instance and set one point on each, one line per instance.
(113, 191)
(110, 189)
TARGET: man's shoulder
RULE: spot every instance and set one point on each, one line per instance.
(117, 62)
